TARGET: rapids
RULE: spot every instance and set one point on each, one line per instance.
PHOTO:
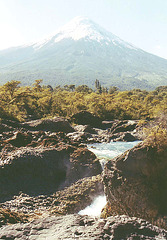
(105, 151)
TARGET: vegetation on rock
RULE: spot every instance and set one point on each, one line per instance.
(156, 132)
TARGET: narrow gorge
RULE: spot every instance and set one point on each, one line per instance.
(93, 181)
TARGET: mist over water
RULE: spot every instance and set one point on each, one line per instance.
(105, 151)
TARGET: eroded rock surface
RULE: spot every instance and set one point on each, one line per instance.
(136, 184)
(42, 170)
(83, 227)
(126, 131)
(56, 124)
(72, 199)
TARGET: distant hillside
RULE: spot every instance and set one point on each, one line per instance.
(79, 53)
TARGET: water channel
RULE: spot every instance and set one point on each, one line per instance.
(105, 151)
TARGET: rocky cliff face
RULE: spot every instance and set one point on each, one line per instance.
(136, 184)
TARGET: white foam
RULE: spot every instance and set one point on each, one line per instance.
(95, 208)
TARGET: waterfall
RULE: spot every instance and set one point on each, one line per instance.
(95, 208)
(105, 151)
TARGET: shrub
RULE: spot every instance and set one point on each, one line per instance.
(156, 133)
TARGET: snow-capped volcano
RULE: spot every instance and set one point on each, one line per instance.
(84, 28)
(80, 52)
(80, 28)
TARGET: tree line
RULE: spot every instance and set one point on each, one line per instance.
(39, 101)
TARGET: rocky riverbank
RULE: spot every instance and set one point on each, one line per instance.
(46, 170)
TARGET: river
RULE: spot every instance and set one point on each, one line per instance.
(105, 151)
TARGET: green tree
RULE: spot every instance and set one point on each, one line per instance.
(83, 88)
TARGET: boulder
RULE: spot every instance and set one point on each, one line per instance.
(124, 137)
(136, 183)
(11, 124)
(79, 227)
(79, 137)
(107, 124)
(20, 139)
(125, 126)
(56, 124)
(85, 128)
(42, 170)
(86, 118)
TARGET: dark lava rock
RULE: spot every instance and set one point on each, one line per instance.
(39, 170)
(56, 124)
(107, 124)
(136, 184)
(80, 137)
(85, 128)
(5, 128)
(72, 199)
(124, 137)
(19, 139)
(10, 124)
(86, 118)
(124, 126)
(84, 227)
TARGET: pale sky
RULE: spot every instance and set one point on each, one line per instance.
(140, 22)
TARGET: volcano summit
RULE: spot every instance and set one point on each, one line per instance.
(79, 53)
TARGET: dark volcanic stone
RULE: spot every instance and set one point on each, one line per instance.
(38, 170)
(19, 139)
(136, 184)
(125, 137)
(56, 124)
(69, 200)
(86, 118)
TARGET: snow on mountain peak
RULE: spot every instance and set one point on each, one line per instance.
(84, 28)
(80, 27)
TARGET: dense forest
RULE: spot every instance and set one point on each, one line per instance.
(37, 101)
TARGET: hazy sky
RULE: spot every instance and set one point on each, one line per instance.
(140, 22)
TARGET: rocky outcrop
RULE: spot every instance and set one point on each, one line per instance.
(136, 184)
(84, 227)
(85, 129)
(72, 199)
(126, 131)
(56, 124)
(45, 170)
(19, 139)
(86, 118)
(8, 125)
(40, 170)
(124, 126)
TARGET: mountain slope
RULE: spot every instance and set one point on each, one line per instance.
(79, 53)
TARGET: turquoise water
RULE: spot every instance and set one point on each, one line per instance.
(112, 149)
